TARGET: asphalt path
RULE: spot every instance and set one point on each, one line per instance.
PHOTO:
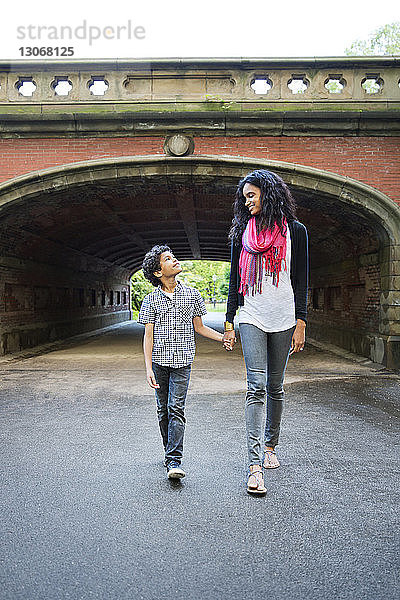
(87, 510)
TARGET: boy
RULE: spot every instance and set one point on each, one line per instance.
(171, 314)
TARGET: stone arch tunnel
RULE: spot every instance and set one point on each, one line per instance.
(73, 236)
(89, 180)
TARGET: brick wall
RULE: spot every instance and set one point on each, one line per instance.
(344, 302)
(372, 160)
(347, 297)
(39, 304)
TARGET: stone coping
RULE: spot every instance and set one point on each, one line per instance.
(121, 120)
(122, 63)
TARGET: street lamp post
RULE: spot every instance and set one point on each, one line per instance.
(214, 278)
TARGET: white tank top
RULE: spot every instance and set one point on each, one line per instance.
(273, 309)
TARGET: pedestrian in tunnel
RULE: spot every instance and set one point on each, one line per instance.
(268, 281)
(171, 314)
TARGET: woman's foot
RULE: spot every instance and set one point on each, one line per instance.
(255, 483)
(271, 460)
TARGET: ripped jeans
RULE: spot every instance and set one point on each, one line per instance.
(266, 356)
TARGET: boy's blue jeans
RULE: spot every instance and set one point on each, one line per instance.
(171, 397)
(266, 356)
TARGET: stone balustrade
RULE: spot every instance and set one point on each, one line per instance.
(223, 83)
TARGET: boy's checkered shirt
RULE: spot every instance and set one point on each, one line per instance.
(173, 337)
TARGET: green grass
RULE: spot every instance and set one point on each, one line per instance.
(218, 307)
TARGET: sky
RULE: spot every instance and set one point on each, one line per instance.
(177, 28)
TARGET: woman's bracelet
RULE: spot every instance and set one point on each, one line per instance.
(228, 326)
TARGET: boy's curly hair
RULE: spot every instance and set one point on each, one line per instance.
(151, 263)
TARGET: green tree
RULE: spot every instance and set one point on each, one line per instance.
(224, 285)
(140, 288)
(201, 274)
(196, 273)
(383, 41)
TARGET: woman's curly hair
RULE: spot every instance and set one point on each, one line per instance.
(277, 203)
(151, 263)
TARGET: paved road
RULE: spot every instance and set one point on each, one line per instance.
(88, 511)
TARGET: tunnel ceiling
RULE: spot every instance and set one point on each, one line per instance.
(118, 221)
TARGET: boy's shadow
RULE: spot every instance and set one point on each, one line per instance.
(175, 484)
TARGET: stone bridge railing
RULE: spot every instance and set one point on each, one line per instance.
(334, 80)
(230, 86)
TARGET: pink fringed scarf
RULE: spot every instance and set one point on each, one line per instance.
(261, 252)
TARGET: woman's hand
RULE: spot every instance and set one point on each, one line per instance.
(299, 337)
(229, 340)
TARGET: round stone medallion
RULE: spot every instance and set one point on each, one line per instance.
(179, 145)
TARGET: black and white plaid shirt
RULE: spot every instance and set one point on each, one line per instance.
(173, 337)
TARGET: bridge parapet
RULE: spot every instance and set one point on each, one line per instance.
(320, 96)
(229, 83)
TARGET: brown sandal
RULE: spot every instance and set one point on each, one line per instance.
(255, 483)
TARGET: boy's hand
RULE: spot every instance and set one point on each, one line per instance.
(229, 345)
(229, 340)
(151, 379)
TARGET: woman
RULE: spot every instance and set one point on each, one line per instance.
(268, 281)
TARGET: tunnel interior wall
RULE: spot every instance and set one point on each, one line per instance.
(40, 304)
(344, 304)
(354, 275)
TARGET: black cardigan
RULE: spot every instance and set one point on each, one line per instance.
(298, 273)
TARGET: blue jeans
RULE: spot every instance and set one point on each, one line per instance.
(266, 356)
(170, 397)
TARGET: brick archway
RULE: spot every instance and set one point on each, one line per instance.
(94, 220)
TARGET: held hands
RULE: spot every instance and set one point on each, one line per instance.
(229, 340)
(151, 379)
